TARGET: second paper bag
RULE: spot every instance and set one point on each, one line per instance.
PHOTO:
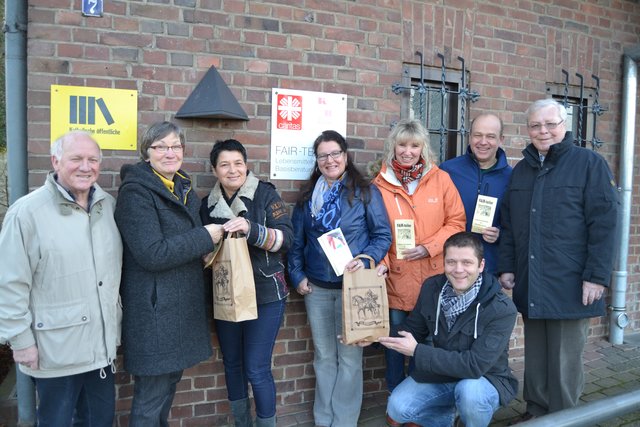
(365, 307)
(234, 291)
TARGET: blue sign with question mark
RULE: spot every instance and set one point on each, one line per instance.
(92, 8)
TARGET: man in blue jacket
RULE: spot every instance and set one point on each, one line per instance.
(465, 367)
(557, 249)
(482, 170)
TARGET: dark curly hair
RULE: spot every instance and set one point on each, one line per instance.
(226, 145)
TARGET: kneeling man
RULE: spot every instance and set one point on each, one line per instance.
(458, 334)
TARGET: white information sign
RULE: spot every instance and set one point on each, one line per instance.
(297, 118)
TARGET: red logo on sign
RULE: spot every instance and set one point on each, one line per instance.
(289, 112)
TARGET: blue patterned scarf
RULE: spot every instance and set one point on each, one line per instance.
(453, 305)
(325, 205)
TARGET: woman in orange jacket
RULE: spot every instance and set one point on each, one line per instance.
(424, 209)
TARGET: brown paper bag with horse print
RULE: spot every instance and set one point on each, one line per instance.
(234, 290)
(365, 307)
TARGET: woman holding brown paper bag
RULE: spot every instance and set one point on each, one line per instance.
(336, 196)
(424, 210)
(243, 204)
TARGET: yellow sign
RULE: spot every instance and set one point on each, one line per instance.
(110, 115)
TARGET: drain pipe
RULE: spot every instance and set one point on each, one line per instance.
(15, 30)
(619, 319)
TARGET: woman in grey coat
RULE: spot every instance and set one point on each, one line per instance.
(165, 326)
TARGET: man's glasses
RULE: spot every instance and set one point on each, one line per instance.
(324, 157)
(537, 127)
(165, 148)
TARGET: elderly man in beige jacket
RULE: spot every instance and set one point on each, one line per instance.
(59, 281)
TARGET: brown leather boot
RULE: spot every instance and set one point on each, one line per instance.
(392, 423)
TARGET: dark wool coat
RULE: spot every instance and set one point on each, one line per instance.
(471, 182)
(558, 230)
(476, 346)
(165, 327)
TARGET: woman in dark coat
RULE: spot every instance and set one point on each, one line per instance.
(165, 326)
(244, 204)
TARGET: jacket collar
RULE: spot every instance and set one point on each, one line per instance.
(220, 207)
(490, 287)
(532, 156)
(66, 202)
(501, 155)
(386, 175)
(142, 174)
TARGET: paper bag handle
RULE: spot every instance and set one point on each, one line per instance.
(372, 263)
(234, 235)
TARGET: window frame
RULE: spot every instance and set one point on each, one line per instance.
(413, 74)
(556, 91)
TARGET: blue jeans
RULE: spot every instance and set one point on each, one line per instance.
(338, 367)
(93, 396)
(247, 348)
(394, 373)
(152, 399)
(435, 405)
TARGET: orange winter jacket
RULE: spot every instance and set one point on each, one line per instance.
(437, 211)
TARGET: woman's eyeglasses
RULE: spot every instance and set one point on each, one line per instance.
(324, 157)
(165, 148)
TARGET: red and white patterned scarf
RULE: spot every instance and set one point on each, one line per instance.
(407, 174)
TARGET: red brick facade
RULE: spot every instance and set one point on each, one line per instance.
(162, 48)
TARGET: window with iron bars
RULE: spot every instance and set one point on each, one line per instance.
(583, 108)
(433, 97)
(579, 128)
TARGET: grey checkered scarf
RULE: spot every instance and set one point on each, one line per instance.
(453, 305)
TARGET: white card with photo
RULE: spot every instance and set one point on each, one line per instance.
(335, 247)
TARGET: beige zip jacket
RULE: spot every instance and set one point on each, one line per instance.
(59, 279)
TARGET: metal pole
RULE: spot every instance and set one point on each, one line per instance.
(464, 92)
(443, 91)
(15, 29)
(566, 88)
(619, 319)
(581, 138)
(26, 391)
(597, 111)
(590, 413)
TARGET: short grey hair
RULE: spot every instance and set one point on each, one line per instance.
(544, 103)
(57, 148)
(408, 130)
(156, 132)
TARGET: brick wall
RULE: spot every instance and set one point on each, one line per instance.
(162, 48)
